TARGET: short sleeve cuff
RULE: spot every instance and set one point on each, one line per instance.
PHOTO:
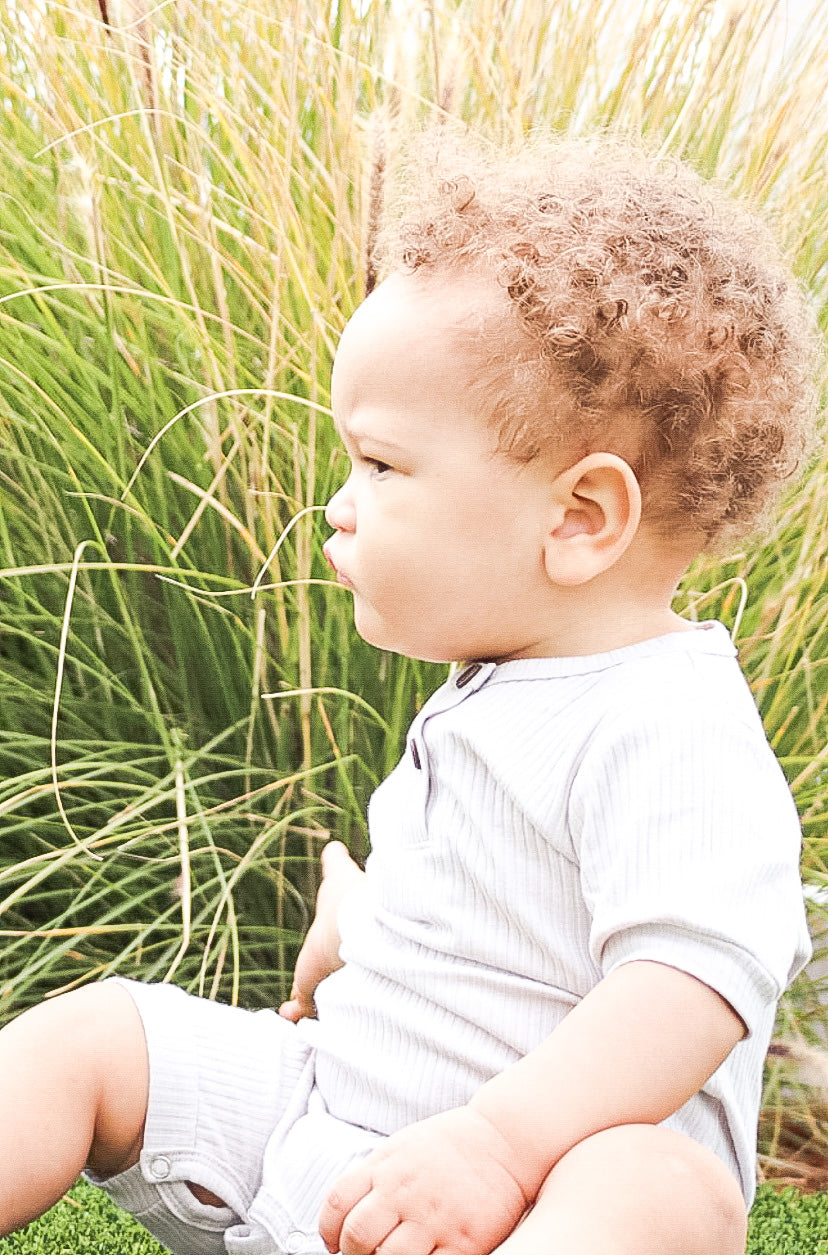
(731, 971)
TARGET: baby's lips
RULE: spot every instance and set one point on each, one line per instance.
(327, 556)
(340, 576)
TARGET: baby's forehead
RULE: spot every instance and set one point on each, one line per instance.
(424, 312)
(431, 333)
(456, 297)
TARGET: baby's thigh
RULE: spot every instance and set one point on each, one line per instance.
(222, 1080)
(635, 1190)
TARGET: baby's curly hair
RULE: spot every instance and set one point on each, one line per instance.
(656, 319)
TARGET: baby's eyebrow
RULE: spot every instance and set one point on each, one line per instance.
(360, 434)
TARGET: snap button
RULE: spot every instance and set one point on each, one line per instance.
(466, 677)
(295, 1242)
(160, 1167)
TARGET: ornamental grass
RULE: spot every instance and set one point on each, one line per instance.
(189, 198)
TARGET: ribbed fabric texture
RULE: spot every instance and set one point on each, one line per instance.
(233, 1108)
(225, 1084)
(550, 820)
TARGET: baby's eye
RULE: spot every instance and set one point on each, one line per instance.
(377, 466)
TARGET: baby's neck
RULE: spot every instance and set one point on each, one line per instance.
(612, 627)
(629, 603)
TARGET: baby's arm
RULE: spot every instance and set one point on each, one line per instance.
(319, 955)
(632, 1052)
(640, 1044)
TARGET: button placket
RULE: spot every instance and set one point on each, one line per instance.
(460, 686)
(465, 677)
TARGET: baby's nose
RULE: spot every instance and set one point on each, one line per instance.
(339, 512)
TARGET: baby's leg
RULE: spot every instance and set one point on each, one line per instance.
(73, 1091)
(635, 1190)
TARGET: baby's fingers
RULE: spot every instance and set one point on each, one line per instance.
(409, 1238)
(299, 1004)
(351, 1219)
(335, 855)
(297, 1009)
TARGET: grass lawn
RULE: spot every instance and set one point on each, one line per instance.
(782, 1223)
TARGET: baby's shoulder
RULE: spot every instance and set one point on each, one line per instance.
(680, 690)
(682, 679)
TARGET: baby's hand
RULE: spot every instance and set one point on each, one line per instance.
(319, 955)
(443, 1185)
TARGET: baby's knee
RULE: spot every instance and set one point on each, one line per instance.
(661, 1180)
(94, 1025)
(92, 1041)
(119, 1059)
(66, 1025)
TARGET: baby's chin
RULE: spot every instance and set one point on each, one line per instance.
(419, 645)
(379, 635)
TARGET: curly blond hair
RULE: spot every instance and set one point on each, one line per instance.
(652, 316)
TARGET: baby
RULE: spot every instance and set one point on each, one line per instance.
(537, 1021)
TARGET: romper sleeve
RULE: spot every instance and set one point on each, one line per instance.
(688, 843)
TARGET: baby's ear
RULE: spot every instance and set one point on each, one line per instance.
(597, 513)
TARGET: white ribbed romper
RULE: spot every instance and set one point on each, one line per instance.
(550, 820)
